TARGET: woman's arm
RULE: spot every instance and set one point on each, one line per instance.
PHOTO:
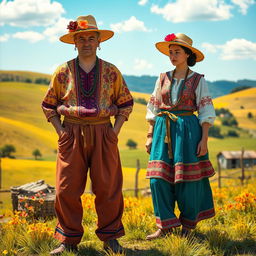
(150, 136)
(202, 148)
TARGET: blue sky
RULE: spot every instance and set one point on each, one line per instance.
(223, 30)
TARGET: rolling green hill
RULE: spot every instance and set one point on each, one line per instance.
(23, 123)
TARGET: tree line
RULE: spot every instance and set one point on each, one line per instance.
(19, 78)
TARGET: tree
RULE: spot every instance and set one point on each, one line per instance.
(131, 144)
(250, 115)
(36, 153)
(214, 131)
(7, 149)
(232, 133)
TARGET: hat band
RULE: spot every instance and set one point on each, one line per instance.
(88, 28)
(181, 41)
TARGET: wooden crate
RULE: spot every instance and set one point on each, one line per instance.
(27, 195)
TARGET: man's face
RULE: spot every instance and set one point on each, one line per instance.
(87, 43)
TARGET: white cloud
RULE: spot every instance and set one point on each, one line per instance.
(25, 13)
(243, 4)
(30, 36)
(235, 49)
(140, 64)
(53, 32)
(4, 37)
(196, 10)
(129, 25)
(142, 2)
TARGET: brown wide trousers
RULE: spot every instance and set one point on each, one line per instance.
(84, 147)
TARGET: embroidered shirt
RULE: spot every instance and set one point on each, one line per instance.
(90, 96)
(197, 98)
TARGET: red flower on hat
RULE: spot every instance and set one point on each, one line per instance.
(83, 24)
(170, 37)
(72, 26)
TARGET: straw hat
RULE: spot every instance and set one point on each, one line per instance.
(178, 39)
(84, 24)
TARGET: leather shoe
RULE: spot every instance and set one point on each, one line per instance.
(64, 248)
(158, 234)
(113, 246)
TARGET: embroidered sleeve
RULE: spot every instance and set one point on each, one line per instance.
(124, 100)
(154, 102)
(52, 97)
(206, 112)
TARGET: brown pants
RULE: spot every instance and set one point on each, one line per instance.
(80, 148)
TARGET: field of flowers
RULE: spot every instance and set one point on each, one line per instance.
(231, 232)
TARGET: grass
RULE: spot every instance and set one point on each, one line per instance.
(231, 232)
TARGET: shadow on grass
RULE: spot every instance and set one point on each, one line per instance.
(91, 251)
(227, 246)
(146, 252)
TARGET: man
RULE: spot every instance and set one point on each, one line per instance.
(87, 91)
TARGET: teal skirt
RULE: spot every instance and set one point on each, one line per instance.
(186, 133)
(182, 179)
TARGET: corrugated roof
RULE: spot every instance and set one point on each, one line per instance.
(248, 154)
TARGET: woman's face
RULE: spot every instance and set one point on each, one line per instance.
(177, 55)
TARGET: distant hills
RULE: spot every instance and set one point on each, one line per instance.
(146, 84)
(143, 84)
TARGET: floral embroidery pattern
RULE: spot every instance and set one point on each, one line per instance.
(205, 101)
(180, 172)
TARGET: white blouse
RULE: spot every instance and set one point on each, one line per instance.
(206, 112)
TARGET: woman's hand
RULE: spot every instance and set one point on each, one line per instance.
(202, 148)
(148, 145)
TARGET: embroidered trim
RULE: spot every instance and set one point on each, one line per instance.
(109, 231)
(201, 216)
(205, 101)
(61, 231)
(180, 172)
(167, 223)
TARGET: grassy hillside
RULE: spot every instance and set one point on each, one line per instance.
(240, 104)
(23, 75)
(24, 125)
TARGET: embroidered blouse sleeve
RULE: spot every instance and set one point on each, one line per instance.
(154, 102)
(206, 112)
(124, 100)
(51, 99)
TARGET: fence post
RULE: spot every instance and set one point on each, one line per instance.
(137, 178)
(0, 173)
(242, 166)
(219, 173)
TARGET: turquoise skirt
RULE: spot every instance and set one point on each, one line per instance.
(186, 133)
(182, 178)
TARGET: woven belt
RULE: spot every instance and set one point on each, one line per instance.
(174, 117)
(89, 123)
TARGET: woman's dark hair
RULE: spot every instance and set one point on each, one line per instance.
(192, 56)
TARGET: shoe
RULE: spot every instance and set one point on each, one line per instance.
(158, 234)
(113, 246)
(64, 248)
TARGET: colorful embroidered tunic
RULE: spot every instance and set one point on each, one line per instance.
(179, 99)
(99, 94)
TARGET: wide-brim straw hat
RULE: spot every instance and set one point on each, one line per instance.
(84, 24)
(178, 39)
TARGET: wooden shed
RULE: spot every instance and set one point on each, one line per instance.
(232, 159)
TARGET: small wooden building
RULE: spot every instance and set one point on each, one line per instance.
(232, 159)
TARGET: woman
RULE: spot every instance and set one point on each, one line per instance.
(179, 166)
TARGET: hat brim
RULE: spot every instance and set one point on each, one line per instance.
(163, 47)
(104, 35)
